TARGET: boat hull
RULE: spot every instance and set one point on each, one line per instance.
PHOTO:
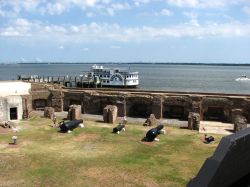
(120, 86)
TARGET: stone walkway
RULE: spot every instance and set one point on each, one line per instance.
(215, 127)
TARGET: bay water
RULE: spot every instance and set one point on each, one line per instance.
(167, 77)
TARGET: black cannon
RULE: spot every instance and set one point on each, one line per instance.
(208, 139)
(118, 128)
(69, 126)
(153, 133)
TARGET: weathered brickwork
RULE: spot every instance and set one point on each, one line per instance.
(142, 104)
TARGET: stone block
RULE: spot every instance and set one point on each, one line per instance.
(74, 112)
(240, 122)
(49, 112)
(193, 121)
(110, 114)
(151, 121)
(236, 112)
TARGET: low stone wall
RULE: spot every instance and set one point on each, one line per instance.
(142, 104)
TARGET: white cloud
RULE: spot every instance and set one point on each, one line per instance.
(184, 3)
(202, 3)
(95, 32)
(166, 12)
(191, 15)
(246, 9)
(141, 2)
(117, 7)
(30, 5)
(74, 28)
(90, 2)
(9, 32)
(61, 47)
(193, 18)
(55, 7)
(22, 22)
(120, 6)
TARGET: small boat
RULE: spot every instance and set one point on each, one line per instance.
(243, 78)
(114, 77)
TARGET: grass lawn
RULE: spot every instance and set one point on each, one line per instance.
(93, 156)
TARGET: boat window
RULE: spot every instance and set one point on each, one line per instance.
(107, 81)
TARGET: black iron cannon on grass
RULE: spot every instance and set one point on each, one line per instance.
(153, 133)
(68, 126)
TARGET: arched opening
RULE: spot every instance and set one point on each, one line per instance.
(39, 104)
(75, 102)
(216, 109)
(140, 110)
(175, 112)
(177, 107)
(215, 114)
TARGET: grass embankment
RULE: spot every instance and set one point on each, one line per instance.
(93, 156)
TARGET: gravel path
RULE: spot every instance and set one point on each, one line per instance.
(167, 122)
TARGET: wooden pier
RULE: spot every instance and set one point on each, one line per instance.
(67, 81)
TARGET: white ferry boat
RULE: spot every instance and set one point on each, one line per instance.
(116, 77)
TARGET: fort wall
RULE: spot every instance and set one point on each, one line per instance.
(138, 103)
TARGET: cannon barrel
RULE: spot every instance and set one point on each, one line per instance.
(70, 125)
(118, 128)
(153, 133)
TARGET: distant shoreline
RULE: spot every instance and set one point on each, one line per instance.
(157, 63)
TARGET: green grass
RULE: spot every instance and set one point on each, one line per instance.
(93, 156)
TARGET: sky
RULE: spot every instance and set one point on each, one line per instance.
(196, 31)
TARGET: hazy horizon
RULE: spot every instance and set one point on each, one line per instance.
(174, 63)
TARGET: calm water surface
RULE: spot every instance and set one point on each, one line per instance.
(196, 78)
